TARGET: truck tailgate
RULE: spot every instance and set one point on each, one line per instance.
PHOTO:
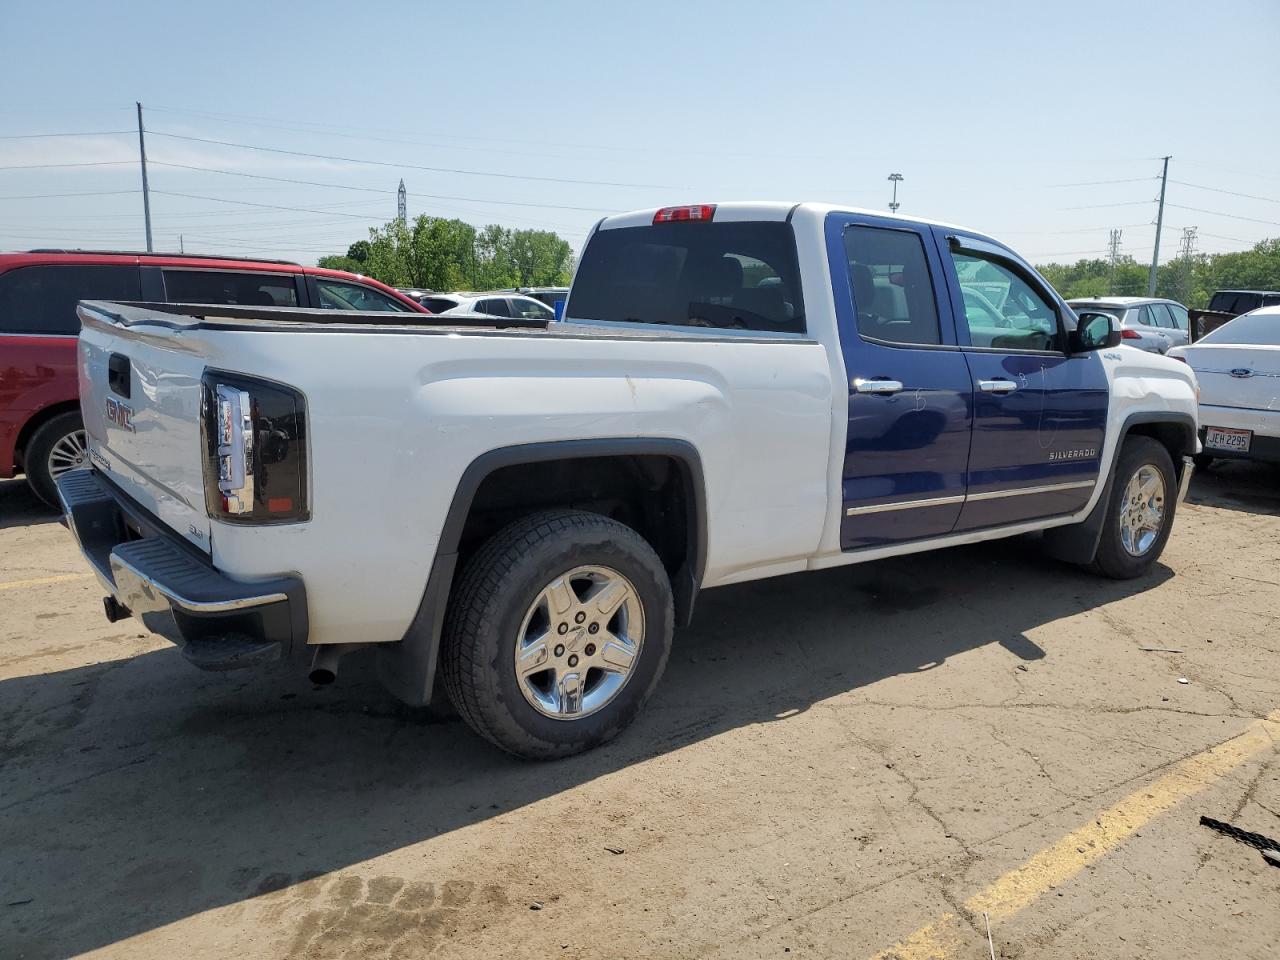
(140, 397)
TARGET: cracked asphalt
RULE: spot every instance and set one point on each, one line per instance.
(854, 763)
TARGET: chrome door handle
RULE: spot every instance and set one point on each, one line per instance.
(877, 386)
(997, 386)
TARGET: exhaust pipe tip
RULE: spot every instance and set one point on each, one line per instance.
(324, 664)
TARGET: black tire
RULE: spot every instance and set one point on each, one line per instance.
(1202, 461)
(35, 458)
(1112, 559)
(487, 608)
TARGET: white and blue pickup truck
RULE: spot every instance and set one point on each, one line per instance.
(529, 509)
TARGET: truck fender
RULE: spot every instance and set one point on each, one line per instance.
(408, 667)
(1078, 542)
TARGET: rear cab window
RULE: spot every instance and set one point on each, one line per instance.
(722, 275)
(42, 299)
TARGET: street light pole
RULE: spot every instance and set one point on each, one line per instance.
(895, 178)
(146, 193)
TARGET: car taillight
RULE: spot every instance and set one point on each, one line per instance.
(1183, 359)
(697, 211)
(1127, 334)
(255, 440)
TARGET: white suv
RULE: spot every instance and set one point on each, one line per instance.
(489, 304)
(1145, 322)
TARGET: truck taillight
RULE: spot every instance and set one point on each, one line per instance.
(255, 440)
(700, 212)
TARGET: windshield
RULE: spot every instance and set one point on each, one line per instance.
(740, 276)
(1257, 327)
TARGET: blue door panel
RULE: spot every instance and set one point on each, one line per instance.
(907, 448)
(1047, 432)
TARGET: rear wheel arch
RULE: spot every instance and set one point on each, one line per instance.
(38, 420)
(671, 514)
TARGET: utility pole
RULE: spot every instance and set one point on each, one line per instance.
(146, 193)
(402, 203)
(1113, 258)
(1155, 254)
(895, 178)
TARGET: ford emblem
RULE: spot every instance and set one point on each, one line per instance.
(1240, 373)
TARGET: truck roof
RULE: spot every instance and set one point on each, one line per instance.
(777, 210)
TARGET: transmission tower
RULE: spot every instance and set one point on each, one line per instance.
(1187, 248)
(1113, 258)
(402, 203)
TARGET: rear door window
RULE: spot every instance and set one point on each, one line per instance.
(231, 287)
(42, 299)
(337, 295)
(438, 304)
(494, 307)
(892, 286)
(734, 276)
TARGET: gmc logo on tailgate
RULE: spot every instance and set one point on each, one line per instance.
(119, 414)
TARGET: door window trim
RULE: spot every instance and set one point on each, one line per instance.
(958, 243)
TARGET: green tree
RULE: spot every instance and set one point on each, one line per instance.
(452, 255)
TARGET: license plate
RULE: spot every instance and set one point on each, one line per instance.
(1222, 438)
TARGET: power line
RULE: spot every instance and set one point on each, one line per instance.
(1230, 193)
(343, 186)
(1103, 206)
(1095, 183)
(42, 136)
(266, 206)
(50, 196)
(409, 166)
(50, 166)
(1229, 216)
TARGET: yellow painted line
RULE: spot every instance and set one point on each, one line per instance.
(1058, 863)
(41, 581)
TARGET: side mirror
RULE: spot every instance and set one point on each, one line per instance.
(1095, 331)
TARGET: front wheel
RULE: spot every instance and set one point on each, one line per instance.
(557, 633)
(1144, 493)
(56, 447)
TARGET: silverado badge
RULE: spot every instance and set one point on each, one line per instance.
(119, 414)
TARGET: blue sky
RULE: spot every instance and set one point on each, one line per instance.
(986, 108)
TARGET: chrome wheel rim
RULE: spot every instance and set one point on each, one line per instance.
(68, 453)
(1142, 513)
(579, 642)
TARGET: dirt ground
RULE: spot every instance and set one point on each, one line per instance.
(847, 764)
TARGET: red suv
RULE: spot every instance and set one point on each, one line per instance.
(40, 429)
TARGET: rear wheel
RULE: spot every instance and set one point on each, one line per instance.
(1140, 514)
(557, 633)
(56, 447)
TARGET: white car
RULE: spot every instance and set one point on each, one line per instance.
(489, 304)
(1147, 323)
(1238, 366)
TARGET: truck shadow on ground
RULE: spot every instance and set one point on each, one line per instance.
(137, 793)
(20, 507)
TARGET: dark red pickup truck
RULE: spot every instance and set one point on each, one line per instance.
(1226, 305)
(40, 429)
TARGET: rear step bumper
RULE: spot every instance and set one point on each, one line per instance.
(220, 623)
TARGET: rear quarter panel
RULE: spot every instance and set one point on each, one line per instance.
(36, 373)
(395, 419)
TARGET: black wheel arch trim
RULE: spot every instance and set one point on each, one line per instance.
(1078, 542)
(408, 668)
